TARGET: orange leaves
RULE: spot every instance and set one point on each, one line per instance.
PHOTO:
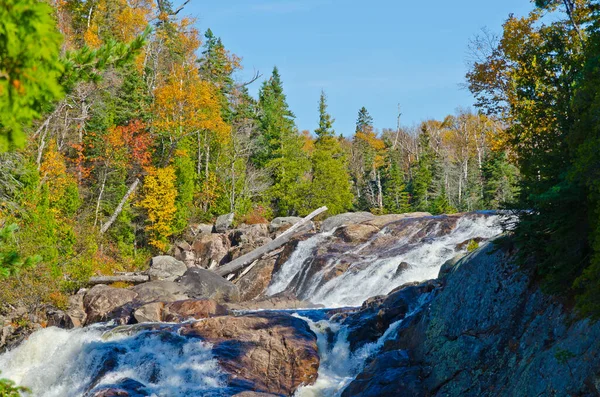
(186, 104)
(373, 144)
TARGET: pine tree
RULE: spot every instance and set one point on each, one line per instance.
(364, 121)
(330, 185)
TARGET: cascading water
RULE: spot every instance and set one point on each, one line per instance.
(323, 269)
(374, 267)
(60, 363)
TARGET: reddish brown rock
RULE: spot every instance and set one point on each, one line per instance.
(275, 353)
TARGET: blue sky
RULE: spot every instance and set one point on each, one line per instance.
(374, 54)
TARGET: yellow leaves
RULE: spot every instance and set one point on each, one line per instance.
(185, 104)
(374, 143)
(91, 37)
(132, 18)
(53, 172)
(159, 202)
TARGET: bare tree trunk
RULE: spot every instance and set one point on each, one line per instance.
(100, 198)
(124, 278)
(379, 191)
(115, 214)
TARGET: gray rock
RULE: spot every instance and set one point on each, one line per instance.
(283, 222)
(164, 291)
(349, 218)
(165, 268)
(199, 283)
(223, 222)
(101, 300)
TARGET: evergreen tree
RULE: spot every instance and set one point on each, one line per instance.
(499, 180)
(281, 148)
(330, 185)
(364, 121)
(395, 197)
(423, 175)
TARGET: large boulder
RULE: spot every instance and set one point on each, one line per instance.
(348, 218)
(210, 249)
(101, 300)
(149, 313)
(201, 283)
(224, 222)
(273, 353)
(159, 291)
(165, 268)
(254, 235)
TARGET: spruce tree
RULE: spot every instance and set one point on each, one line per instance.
(395, 197)
(423, 178)
(330, 185)
(281, 148)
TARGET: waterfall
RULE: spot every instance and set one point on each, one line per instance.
(374, 268)
(61, 363)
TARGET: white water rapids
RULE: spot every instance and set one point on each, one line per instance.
(375, 273)
(69, 363)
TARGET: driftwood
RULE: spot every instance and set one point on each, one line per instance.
(124, 278)
(250, 257)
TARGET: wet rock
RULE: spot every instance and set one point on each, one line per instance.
(356, 233)
(224, 222)
(210, 249)
(200, 283)
(99, 301)
(192, 308)
(349, 218)
(254, 394)
(281, 301)
(159, 291)
(377, 313)
(402, 267)
(449, 265)
(389, 375)
(165, 268)
(269, 352)
(256, 281)
(124, 388)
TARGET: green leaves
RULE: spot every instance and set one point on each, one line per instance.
(10, 260)
(29, 66)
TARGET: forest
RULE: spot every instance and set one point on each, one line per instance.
(122, 123)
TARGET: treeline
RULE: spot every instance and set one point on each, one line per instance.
(120, 125)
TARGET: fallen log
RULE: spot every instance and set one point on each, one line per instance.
(250, 257)
(123, 278)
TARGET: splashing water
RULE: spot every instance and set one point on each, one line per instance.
(376, 272)
(339, 366)
(60, 363)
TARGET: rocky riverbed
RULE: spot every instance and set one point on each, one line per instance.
(352, 307)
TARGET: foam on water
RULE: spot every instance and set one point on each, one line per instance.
(376, 274)
(60, 363)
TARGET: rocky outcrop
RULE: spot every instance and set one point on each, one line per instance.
(488, 331)
(165, 268)
(272, 353)
(282, 223)
(200, 283)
